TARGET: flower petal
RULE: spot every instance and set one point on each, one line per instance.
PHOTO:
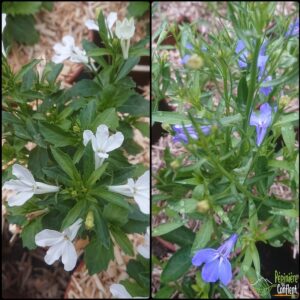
(121, 189)
(69, 41)
(210, 271)
(17, 186)
(102, 135)
(143, 202)
(111, 19)
(91, 25)
(69, 256)
(119, 291)
(54, 252)
(203, 256)
(72, 230)
(114, 141)
(225, 272)
(87, 136)
(43, 188)
(144, 180)
(19, 199)
(144, 250)
(23, 174)
(58, 59)
(48, 237)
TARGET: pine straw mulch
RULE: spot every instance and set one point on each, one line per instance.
(24, 273)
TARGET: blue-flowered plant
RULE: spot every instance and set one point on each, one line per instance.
(237, 141)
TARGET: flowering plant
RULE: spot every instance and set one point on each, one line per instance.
(66, 151)
(232, 141)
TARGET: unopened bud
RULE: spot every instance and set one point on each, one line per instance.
(166, 127)
(175, 164)
(284, 101)
(89, 221)
(203, 206)
(195, 62)
(76, 128)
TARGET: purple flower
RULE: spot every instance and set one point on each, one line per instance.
(266, 90)
(180, 135)
(261, 121)
(216, 263)
(293, 29)
(185, 59)
(243, 53)
(189, 46)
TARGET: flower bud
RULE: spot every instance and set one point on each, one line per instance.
(166, 127)
(89, 221)
(195, 62)
(203, 206)
(284, 101)
(76, 128)
(175, 164)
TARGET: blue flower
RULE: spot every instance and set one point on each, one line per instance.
(261, 121)
(180, 135)
(266, 90)
(241, 49)
(185, 59)
(293, 29)
(216, 263)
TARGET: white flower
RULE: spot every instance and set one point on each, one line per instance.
(68, 50)
(3, 17)
(139, 190)
(125, 31)
(102, 143)
(144, 249)
(25, 187)
(60, 245)
(119, 291)
(110, 21)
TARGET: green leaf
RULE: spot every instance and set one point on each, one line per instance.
(26, 68)
(97, 257)
(101, 228)
(178, 264)
(29, 231)
(137, 9)
(286, 119)
(136, 270)
(122, 240)
(136, 105)
(65, 163)
(87, 115)
(98, 52)
(255, 258)
(203, 235)
(108, 117)
(111, 197)
(88, 161)
(288, 134)
(165, 228)
(126, 67)
(21, 29)
(143, 127)
(96, 175)
(38, 159)
(184, 205)
(115, 214)
(21, 8)
(247, 262)
(76, 212)
(55, 135)
(28, 80)
(292, 213)
(181, 236)
(242, 92)
(54, 71)
(170, 117)
(102, 28)
(84, 88)
(165, 292)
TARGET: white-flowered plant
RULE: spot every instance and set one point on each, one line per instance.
(139, 190)
(3, 21)
(119, 291)
(25, 186)
(67, 138)
(102, 143)
(68, 50)
(110, 21)
(125, 31)
(60, 245)
(144, 249)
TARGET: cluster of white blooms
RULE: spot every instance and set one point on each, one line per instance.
(60, 243)
(67, 50)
